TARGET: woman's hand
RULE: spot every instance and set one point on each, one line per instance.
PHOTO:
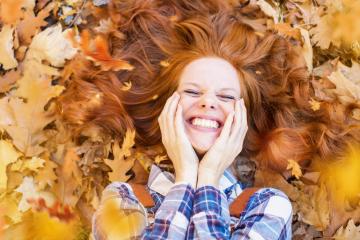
(176, 142)
(226, 147)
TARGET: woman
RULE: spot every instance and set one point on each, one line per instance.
(204, 119)
(207, 87)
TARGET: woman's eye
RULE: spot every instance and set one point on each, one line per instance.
(227, 97)
(192, 92)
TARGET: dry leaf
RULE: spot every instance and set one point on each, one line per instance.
(8, 154)
(7, 58)
(315, 105)
(31, 24)
(70, 179)
(8, 80)
(295, 168)
(29, 191)
(126, 87)
(351, 232)
(98, 51)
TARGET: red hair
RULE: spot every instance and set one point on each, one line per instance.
(274, 79)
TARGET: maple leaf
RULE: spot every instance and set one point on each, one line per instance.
(7, 58)
(349, 232)
(98, 51)
(8, 154)
(286, 30)
(12, 10)
(32, 164)
(295, 168)
(46, 175)
(9, 206)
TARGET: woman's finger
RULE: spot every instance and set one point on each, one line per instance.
(170, 116)
(235, 131)
(227, 127)
(163, 122)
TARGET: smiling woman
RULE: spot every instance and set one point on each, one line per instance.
(207, 87)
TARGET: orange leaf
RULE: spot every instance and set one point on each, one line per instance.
(98, 51)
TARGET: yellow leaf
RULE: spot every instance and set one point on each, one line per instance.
(315, 105)
(349, 232)
(46, 175)
(160, 158)
(7, 58)
(128, 142)
(164, 63)
(295, 168)
(8, 155)
(9, 206)
(126, 87)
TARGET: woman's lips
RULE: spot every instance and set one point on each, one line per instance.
(202, 129)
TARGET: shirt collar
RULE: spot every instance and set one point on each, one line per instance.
(161, 181)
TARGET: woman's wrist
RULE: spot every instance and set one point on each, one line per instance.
(207, 179)
(190, 178)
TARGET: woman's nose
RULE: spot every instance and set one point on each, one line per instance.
(207, 101)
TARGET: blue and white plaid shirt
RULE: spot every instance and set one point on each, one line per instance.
(181, 212)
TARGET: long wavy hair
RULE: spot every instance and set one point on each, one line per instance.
(161, 37)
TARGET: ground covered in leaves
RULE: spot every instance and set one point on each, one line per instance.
(50, 183)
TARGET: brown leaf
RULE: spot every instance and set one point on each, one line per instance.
(288, 31)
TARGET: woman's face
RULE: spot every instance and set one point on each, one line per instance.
(208, 88)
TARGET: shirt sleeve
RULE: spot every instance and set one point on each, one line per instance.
(268, 215)
(120, 214)
(207, 221)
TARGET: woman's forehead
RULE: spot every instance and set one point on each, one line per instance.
(210, 72)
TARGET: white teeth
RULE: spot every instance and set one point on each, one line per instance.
(205, 123)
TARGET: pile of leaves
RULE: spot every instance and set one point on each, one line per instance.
(50, 182)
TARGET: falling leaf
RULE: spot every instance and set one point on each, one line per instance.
(315, 105)
(295, 168)
(126, 87)
(160, 158)
(8, 154)
(350, 232)
(7, 58)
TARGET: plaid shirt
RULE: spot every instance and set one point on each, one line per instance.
(181, 212)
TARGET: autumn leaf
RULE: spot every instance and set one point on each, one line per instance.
(12, 10)
(70, 176)
(8, 80)
(29, 191)
(126, 87)
(349, 232)
(7, 58)
(315, 105)
(31, 24)
(8, 154)
(98, 51)
(295, 168)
